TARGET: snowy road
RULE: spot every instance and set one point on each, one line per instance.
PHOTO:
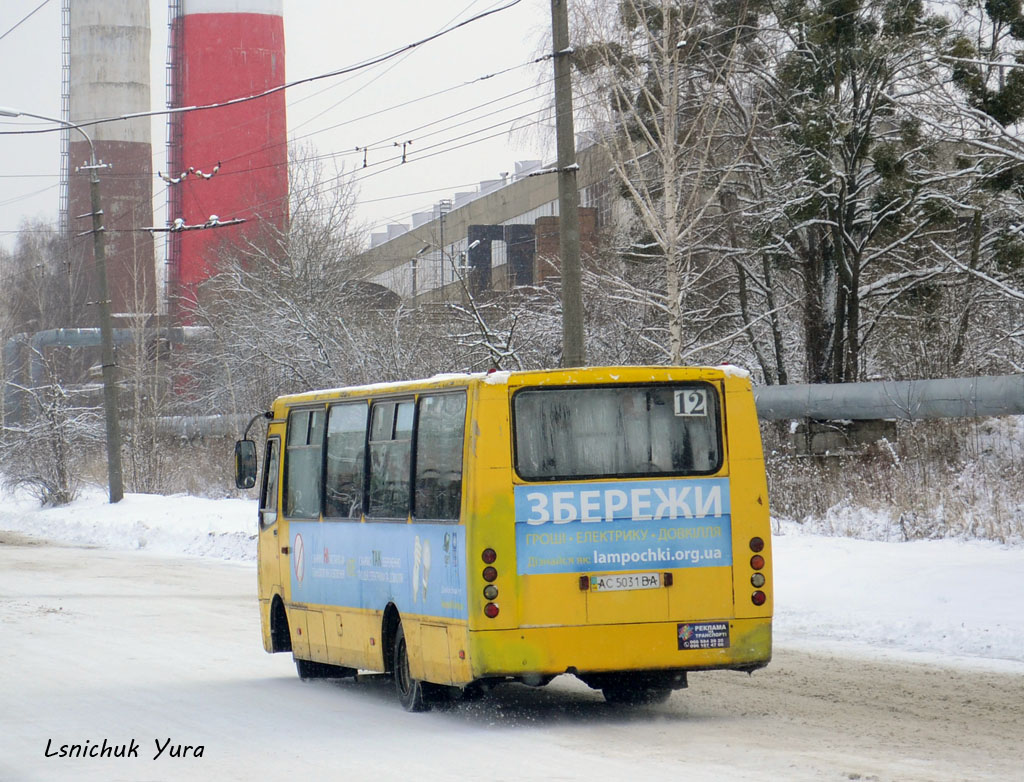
(129, 646)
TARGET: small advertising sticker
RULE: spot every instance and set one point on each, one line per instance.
(704, 635)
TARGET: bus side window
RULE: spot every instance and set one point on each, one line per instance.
(390, 460)
(439, 439)
(302, 464)
(346, 440)
(268, 490)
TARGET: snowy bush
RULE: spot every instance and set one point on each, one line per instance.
(44, 452)
(940, 479)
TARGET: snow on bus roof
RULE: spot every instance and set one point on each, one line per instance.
(501, 377)
(731, 370)
(387, 385)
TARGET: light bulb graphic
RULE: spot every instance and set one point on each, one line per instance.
(426, 567)
(417, 555)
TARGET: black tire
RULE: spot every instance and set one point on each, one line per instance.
(473, 692)
(412, 693)
(280, 635)
(625, 695)
(307, 669)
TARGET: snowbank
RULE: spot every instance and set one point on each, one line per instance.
(938, 597)
(178, 524)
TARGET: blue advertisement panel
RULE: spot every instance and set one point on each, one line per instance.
(624, 525)
(419, 567)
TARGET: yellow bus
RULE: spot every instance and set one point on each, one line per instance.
(468, 530)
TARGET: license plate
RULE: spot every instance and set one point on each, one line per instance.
(619, 582)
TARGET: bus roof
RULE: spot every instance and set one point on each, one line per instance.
(572, 376)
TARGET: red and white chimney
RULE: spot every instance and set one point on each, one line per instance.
(226, 50)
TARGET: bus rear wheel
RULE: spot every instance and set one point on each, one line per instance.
(412, 693)
(307, 669)
(625, 695)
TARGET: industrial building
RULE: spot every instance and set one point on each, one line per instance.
(219, 51)
(503, 235)
(230, 162)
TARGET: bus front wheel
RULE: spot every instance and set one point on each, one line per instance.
(411, 692)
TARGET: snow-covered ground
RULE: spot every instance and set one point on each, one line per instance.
(948, 601)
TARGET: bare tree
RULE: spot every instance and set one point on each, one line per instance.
(47, 451)
(292, 311)
(50, 435)
(658, 75)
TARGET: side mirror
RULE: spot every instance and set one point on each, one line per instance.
(245, 464)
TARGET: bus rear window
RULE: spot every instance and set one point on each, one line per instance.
(617, 431)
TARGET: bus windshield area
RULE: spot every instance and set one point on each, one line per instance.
(617, 431)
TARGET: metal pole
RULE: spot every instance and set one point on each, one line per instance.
(110, 402)
(442, 210)
(573, 350)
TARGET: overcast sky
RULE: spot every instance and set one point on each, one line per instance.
(329, 114)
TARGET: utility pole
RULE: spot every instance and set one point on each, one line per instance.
(444, 207)
(573, 350)
(110, 403)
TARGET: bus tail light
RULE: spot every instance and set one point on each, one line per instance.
(490, 573)
(757, 580)
(757, 562)
(757, 545)
(758, 598)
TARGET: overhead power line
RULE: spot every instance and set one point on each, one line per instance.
(393, 162)
(288, 85)
(25, 19)
(371, 81)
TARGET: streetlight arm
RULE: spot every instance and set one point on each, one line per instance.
(7, 112)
